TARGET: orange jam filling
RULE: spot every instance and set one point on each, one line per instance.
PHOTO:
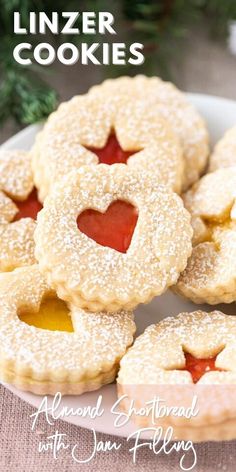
(53, 315)
(223, 223)
(29, 207)
(114, 228)
(198, 367)
(112, 152)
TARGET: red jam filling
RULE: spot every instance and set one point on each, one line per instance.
(198, 367)
(112, 153)
(29, 207)
(114, 228)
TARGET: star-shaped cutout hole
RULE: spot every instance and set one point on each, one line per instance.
(112, 152)
(198, 367)
(28, 208)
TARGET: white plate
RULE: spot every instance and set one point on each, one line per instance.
(220, 115)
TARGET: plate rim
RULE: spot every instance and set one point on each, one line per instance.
(34, 400)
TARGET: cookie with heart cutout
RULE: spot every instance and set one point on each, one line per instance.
(47, 346)
(210, 275)
(187, 364)
(90, 130)
(164, 99)
(224, 153)
(18, 209)
(110, 237)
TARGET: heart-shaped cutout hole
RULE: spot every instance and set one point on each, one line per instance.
(114, 228)
(198, 367)
(53, 315)
(28, 208)
(112, 152)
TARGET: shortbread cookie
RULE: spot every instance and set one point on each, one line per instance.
(165, 99)
(191, 355)
(210, 275)
(224, 153)
(46, 346)
(110, 238)
(88, 130)
(18, 209)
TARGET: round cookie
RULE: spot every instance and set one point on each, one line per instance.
(88, 130)
(186, 361)
(48, 347)
(224, 153)
(165, 99)
(18, 209)
(110, 238)
(210, 275)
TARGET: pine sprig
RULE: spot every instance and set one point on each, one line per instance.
(25, 98)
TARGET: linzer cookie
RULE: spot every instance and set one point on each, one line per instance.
(165, 99)
(210, 275)
(90, 130)
(189, 364)
(48, 347)
(110, 237)
(18, 210)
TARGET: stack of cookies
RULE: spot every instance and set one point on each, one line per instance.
(107, 211)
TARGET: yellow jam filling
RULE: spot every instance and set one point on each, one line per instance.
(53, 315)
(213, 227)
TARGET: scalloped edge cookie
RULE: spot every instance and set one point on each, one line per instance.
(45, 362)
(173, 106)
(210, 275)
(154, 368)
(16, 237)
(96, 277)
(85, 122)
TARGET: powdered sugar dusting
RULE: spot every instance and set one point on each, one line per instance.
(165, 99)
(210, 275)
(153, 369)
(98, 277)
(158, 354)
(87, 121)
(16, 239)
(16, 178)
(39, 355)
